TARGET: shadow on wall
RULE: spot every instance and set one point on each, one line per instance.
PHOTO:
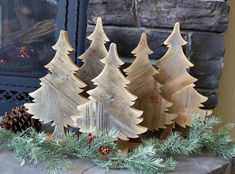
(226, 106)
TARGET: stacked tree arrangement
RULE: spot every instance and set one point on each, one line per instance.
(177, 82)
(164, 96)
(118, 107)
(110, 102)
(141, 75)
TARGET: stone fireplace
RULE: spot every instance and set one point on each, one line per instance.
(202, 23)
(29, 28)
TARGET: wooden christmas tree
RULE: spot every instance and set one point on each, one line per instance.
(110, 102)
(178, 84)
(91, 58)
(57, 98)
(145, 87)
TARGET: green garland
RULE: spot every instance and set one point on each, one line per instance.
(31, 146)
(202, 137)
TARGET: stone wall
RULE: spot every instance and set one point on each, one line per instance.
(202, 22)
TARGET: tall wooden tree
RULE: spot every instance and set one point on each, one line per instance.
(178, 84)
(147, 89)
(91, 58)
(110, 102)
(57, 98)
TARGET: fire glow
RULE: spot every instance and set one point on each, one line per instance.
(21, 53)
(2, 61)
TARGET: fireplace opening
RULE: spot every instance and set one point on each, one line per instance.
(27, 34)
(28, 30)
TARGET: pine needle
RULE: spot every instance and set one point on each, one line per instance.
(201, 136)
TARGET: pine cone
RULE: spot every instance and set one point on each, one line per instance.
(19, 120)
(104, 150)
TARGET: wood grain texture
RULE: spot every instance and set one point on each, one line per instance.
(92, 66)
(140, 74)
(57, 98)
(178, 84)
(186, 103)
(110, 102)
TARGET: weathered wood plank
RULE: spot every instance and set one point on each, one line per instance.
(110, 102)
(57, 98)
(178, 84)
(147, 89)
(92, 56)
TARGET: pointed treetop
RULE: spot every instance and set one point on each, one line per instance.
(63, 42)
(98, 33)
(175, 39)
(142, 46)
(112, 56)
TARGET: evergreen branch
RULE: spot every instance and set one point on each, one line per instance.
(220, 142)
(31, 146)
(177, 145)
(143, 159)
(201, 136)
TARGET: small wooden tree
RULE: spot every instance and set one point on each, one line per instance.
(57, 98)
(146, 88)
(92, 66)
(178, 84)
(110, 102)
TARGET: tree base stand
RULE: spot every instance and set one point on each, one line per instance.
(204, 164)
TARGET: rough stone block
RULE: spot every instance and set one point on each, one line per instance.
(192, 14)
(208, 73)
(206, 52)
(113, 12)
(203, 164)
(206, 46)
(212, 97)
